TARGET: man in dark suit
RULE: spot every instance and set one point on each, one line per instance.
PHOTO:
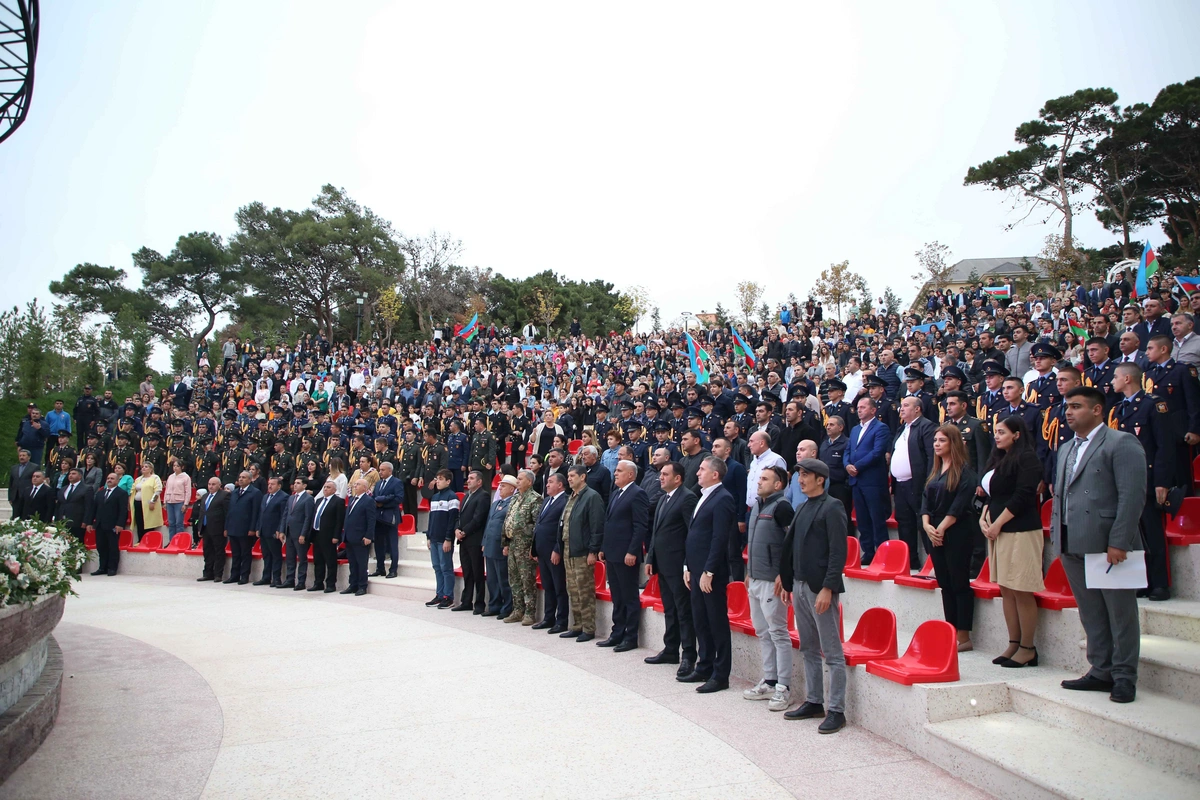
(598, 476)
(38, 499)
(810, 579)
(472, 519)
(271, 533)
(664, 558)
(626, 528)
(110, 513)
(389, 496)
(357, 531)
(706, 574)
(735, 483)
(241, 526)
(297, 523)
(912, 458)
(326, 530)
(866, 465)
(210, 512)
(546, 534)
(74, 506)
(20, 478)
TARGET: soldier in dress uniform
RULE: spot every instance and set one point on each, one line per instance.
(104, 439)
(154, 453)
(255, 455)
(358, 447)
(282, 466)
(837, 405)
(55, 456)
(991, 396)
(712, 423)
(307, 454)
(743, 413)
(1042, 391)
(1014, 406)
(635, 441)
(1098, 372)
(482, 455)
(434, 459)
(1148, 418)
(94, 449)
(457, 444)
(603, 424)
(662, 436)
(914, 379)
(885, 412)
(695, 418)
(179, 448)
(518, 437)
(1054, 431)
(233, 458)
(678, 420)
(208, 460)
(1175, 383)
(953, 380)
(123, 454)
(337, 446)
(132, 439)
(408, 468)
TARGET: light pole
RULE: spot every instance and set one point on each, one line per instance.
(359, 299)
(687, 315)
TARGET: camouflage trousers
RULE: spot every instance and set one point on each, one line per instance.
(522, 575)
(581, 592)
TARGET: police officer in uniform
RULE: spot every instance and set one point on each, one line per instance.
(712, 423)
(638, 446)
(885, 412)
(1098, 373)
(1042, 391)
(743, 414)
(678, 421)
(1014, 406)
(456, 446)
(914, 378)
(1175, 383)
(953, 380)
(991, 397)
(838, 407)
(603, 424)
(662, 436)
(695, 418)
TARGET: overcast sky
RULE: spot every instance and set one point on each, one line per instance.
(683, 147)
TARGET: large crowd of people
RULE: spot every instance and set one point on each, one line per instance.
(747, 455)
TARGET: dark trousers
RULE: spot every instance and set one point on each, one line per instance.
(324, 560)
(871, 508)
(841, 491)
(410, 499)
(272, 557)
(459, 479)
(1155, 540)
(139, 521)
(952, 567)
(387, 541)
(357, 554)
(908, 506)
(213, 542)
(240, 547)
(554, 587)
(297, 557)
(107, 549)
(500, 599)
(517, 459)
(626, 602)
(737, 564)
(710, 613)
(470, 555)
(677, 608)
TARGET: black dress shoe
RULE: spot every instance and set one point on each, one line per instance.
(570, 635)
(229, 580)
(285, 586)
(663, 657)
(378, 574)
(625, 647)
(479, 612)
(329, 589)
(298, 587)
(436, 599)
(111, 573)
(585, 637)
(346, 591)
(1144, 592)
(541, 626)
(609, 642)
(198, 580)
(391, 574)
(712, 685)
(360, 592)
(693, 677)
(686, 667)
(316, 587)
(243, 582)
(806, 711)
(489, 613)
(1159, 594)
(461, 607)
(1088, 684)
(557, 629)
(834, 722)
(1123, 690)
(262, 583)
(105, 572)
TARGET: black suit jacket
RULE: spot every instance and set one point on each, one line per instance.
(77, 508)
(708, 535)
(20, 477)
(920, 449)
(627, 523)
(547, 530)
(111, 514)
(42, 506)
(472, 517)
(672, 518)
(329, 524)
(217, 509)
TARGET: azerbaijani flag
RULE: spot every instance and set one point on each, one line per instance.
(1077, 329)
(1189, 285)
(1146, 267)
(698, 358)
(744, 350)
(470, 329)
(997, 291)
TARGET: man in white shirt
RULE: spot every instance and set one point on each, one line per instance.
(1186, 345)
(763, 457)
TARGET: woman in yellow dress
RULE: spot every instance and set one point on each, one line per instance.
(145, 502)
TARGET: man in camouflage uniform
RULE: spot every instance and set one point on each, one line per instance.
(518, 540)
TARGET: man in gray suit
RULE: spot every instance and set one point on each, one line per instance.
(20, 479)
(1099, 491)
(297, 524)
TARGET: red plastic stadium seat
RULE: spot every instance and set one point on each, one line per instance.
(932, 657)
(458, 572)
(423, 505)
(460, 496)
(1184, 527)
(256, 551)
(652, 595)
(574, 445)
(187, 516)
(508, 449)
(792, 626)
(407, 526)
(874, 637)
(125, 539)
(853, 552)
(1196, 471)
(739, 608)
(602, 592)
(891, 559)
(1057, 595)
(983, 586)
(151, 540)
(495, 481)
(180, 543)
(891, 522)
(922, 580)
(228, 548)
(1046, 509)
(89, 540)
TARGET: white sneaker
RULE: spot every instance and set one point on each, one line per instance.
(761, 692)
(779, 700)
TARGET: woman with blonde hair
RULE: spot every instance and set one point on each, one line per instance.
(337, 474)
(948, 519)
(145, 502)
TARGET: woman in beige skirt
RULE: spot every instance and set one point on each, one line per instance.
(1013, 525)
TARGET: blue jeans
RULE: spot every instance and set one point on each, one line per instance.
(443, 568)
(499, 592)
(175, 518)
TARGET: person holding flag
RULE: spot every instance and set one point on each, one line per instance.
(468, 331)
(1147, 268)
(744, 350)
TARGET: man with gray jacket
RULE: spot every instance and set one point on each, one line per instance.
(766, 525)
(298, 522)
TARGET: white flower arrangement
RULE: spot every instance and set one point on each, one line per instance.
(37, 563)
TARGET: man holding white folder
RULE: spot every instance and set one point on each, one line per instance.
(1099, 491)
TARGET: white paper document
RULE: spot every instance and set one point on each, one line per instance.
(1129, 574)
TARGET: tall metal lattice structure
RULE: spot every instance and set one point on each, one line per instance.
(18, 51)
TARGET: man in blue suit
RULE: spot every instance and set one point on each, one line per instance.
(867, 470)
(626, 530)
(547, 546)
(389, 495)
(241, 526)
(357, 532)
(706, 575)
(270, 525)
